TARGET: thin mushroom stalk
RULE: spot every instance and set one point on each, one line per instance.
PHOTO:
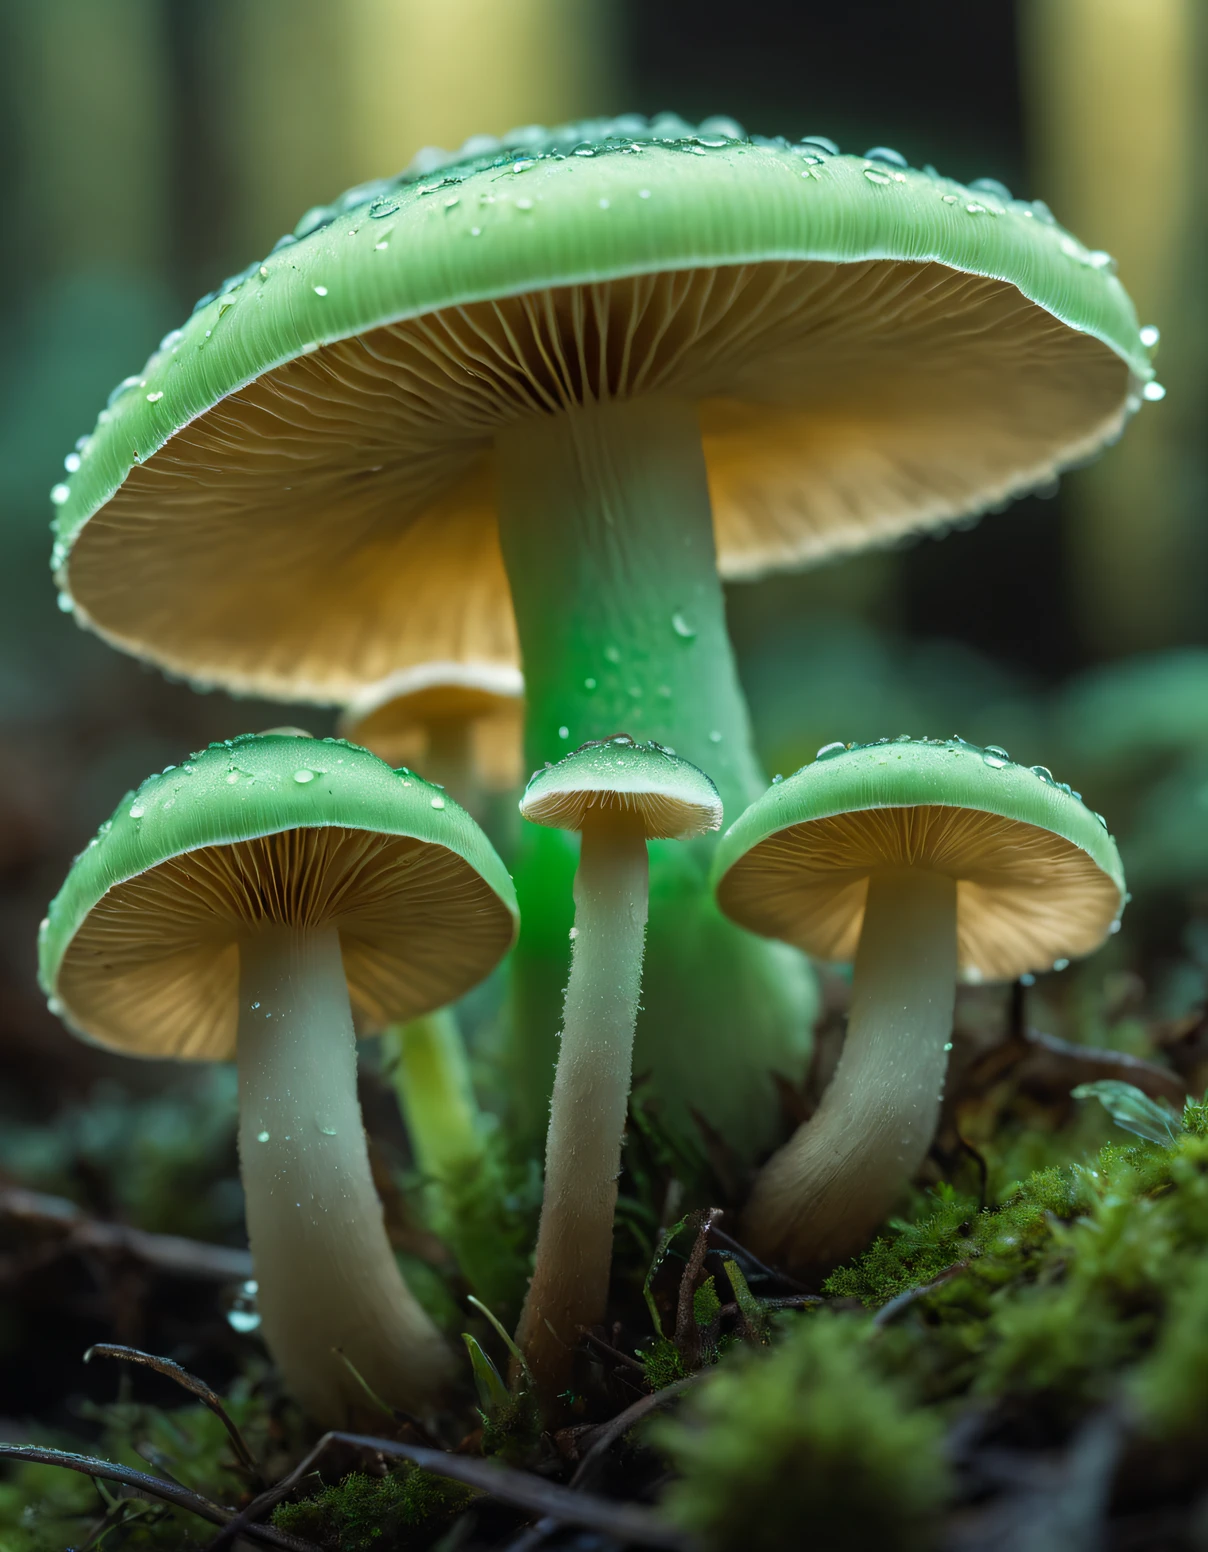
(820, 1198)
(330, 1291)
(569, 1289)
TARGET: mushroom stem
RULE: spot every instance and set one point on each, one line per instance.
(569, 1289)
(432, 1079)
(328, 1278)
(819, 1198)
(607, 536)
(448, 760)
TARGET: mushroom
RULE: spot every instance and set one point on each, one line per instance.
(618, 795)
(462, 724)
(270, 899)
(536, 399)
(919, 859)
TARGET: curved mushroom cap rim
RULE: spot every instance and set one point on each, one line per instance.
(673, 799)
(1039, 878)
(139, 948)
(285, 329)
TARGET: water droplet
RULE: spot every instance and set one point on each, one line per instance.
(60, 493)
(682, 627)
(72, 462)
(563, 731)
(524, 204)
(886, 154)
(302, 777)
(613, 654)
(262, 1136)
(1101, 820)
(154, 398)
(1061, 964)
(64, 601)
(643, 193)
(328, 1131)
(874, 176)
(993, 761)
(438, 803)
(777, 779)
(243, 1321)
(1153, 392)
(137, 811)
(454, 199)
(1115, 926)
(475, 231)
(263, 272)
(573, 933)
(589, 684)
(715, 737)
(829, 750)
(255, 1005)
(604, 203)
(1150, 335)
(998, 750)
(948, 1046)
(1027, 979)
(232, 778)
(950, 199)
(319, 290)
(1043, 772)
(975, 209)
(991, 186)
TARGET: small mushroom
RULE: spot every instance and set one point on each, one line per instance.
(618, 795)
(270, 899)
(919, 859)
(461, 724)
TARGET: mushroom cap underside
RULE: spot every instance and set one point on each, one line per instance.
(670, 797)
(140, 949)
(1039, 878)
(297, 496)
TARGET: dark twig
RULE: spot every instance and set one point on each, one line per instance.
(1079, 1062)
(520, 1489)
(743, 1255)
(610, 1351)
(186, 1381)
(608, 1433)
(890, 1312)
(155, 1487)
(687, 1336)
(165, 1252)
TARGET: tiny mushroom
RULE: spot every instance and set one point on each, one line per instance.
(920, 859)
(461, 724)
(618, 795)
(269, 900)
(536, 399)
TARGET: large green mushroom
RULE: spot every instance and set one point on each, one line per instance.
(918, 859)
(539, 400)
(271, 898)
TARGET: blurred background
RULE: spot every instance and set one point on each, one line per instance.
(154, 146)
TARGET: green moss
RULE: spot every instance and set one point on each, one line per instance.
(663, 1363)
(809, 1445)
(406, 1508)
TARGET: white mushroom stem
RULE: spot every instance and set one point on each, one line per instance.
(819, 1199)
(569, 1290)
(328, 1280)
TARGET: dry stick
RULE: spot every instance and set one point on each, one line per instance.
(1157, 1082)
(156, 1487)
(186, 1381)
(165, 1252)
(520, 1489)
(687, 1336)
(890, 1312)
(741, 1253)
(605, 1437)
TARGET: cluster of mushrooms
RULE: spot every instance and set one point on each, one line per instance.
(522, 409)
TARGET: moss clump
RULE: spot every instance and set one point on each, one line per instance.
(406, 1508)
(1087, 1280)
(810, 1444)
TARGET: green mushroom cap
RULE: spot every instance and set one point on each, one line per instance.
(140, 950)
(296, 495)
(1039, 878)
(670, 796)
